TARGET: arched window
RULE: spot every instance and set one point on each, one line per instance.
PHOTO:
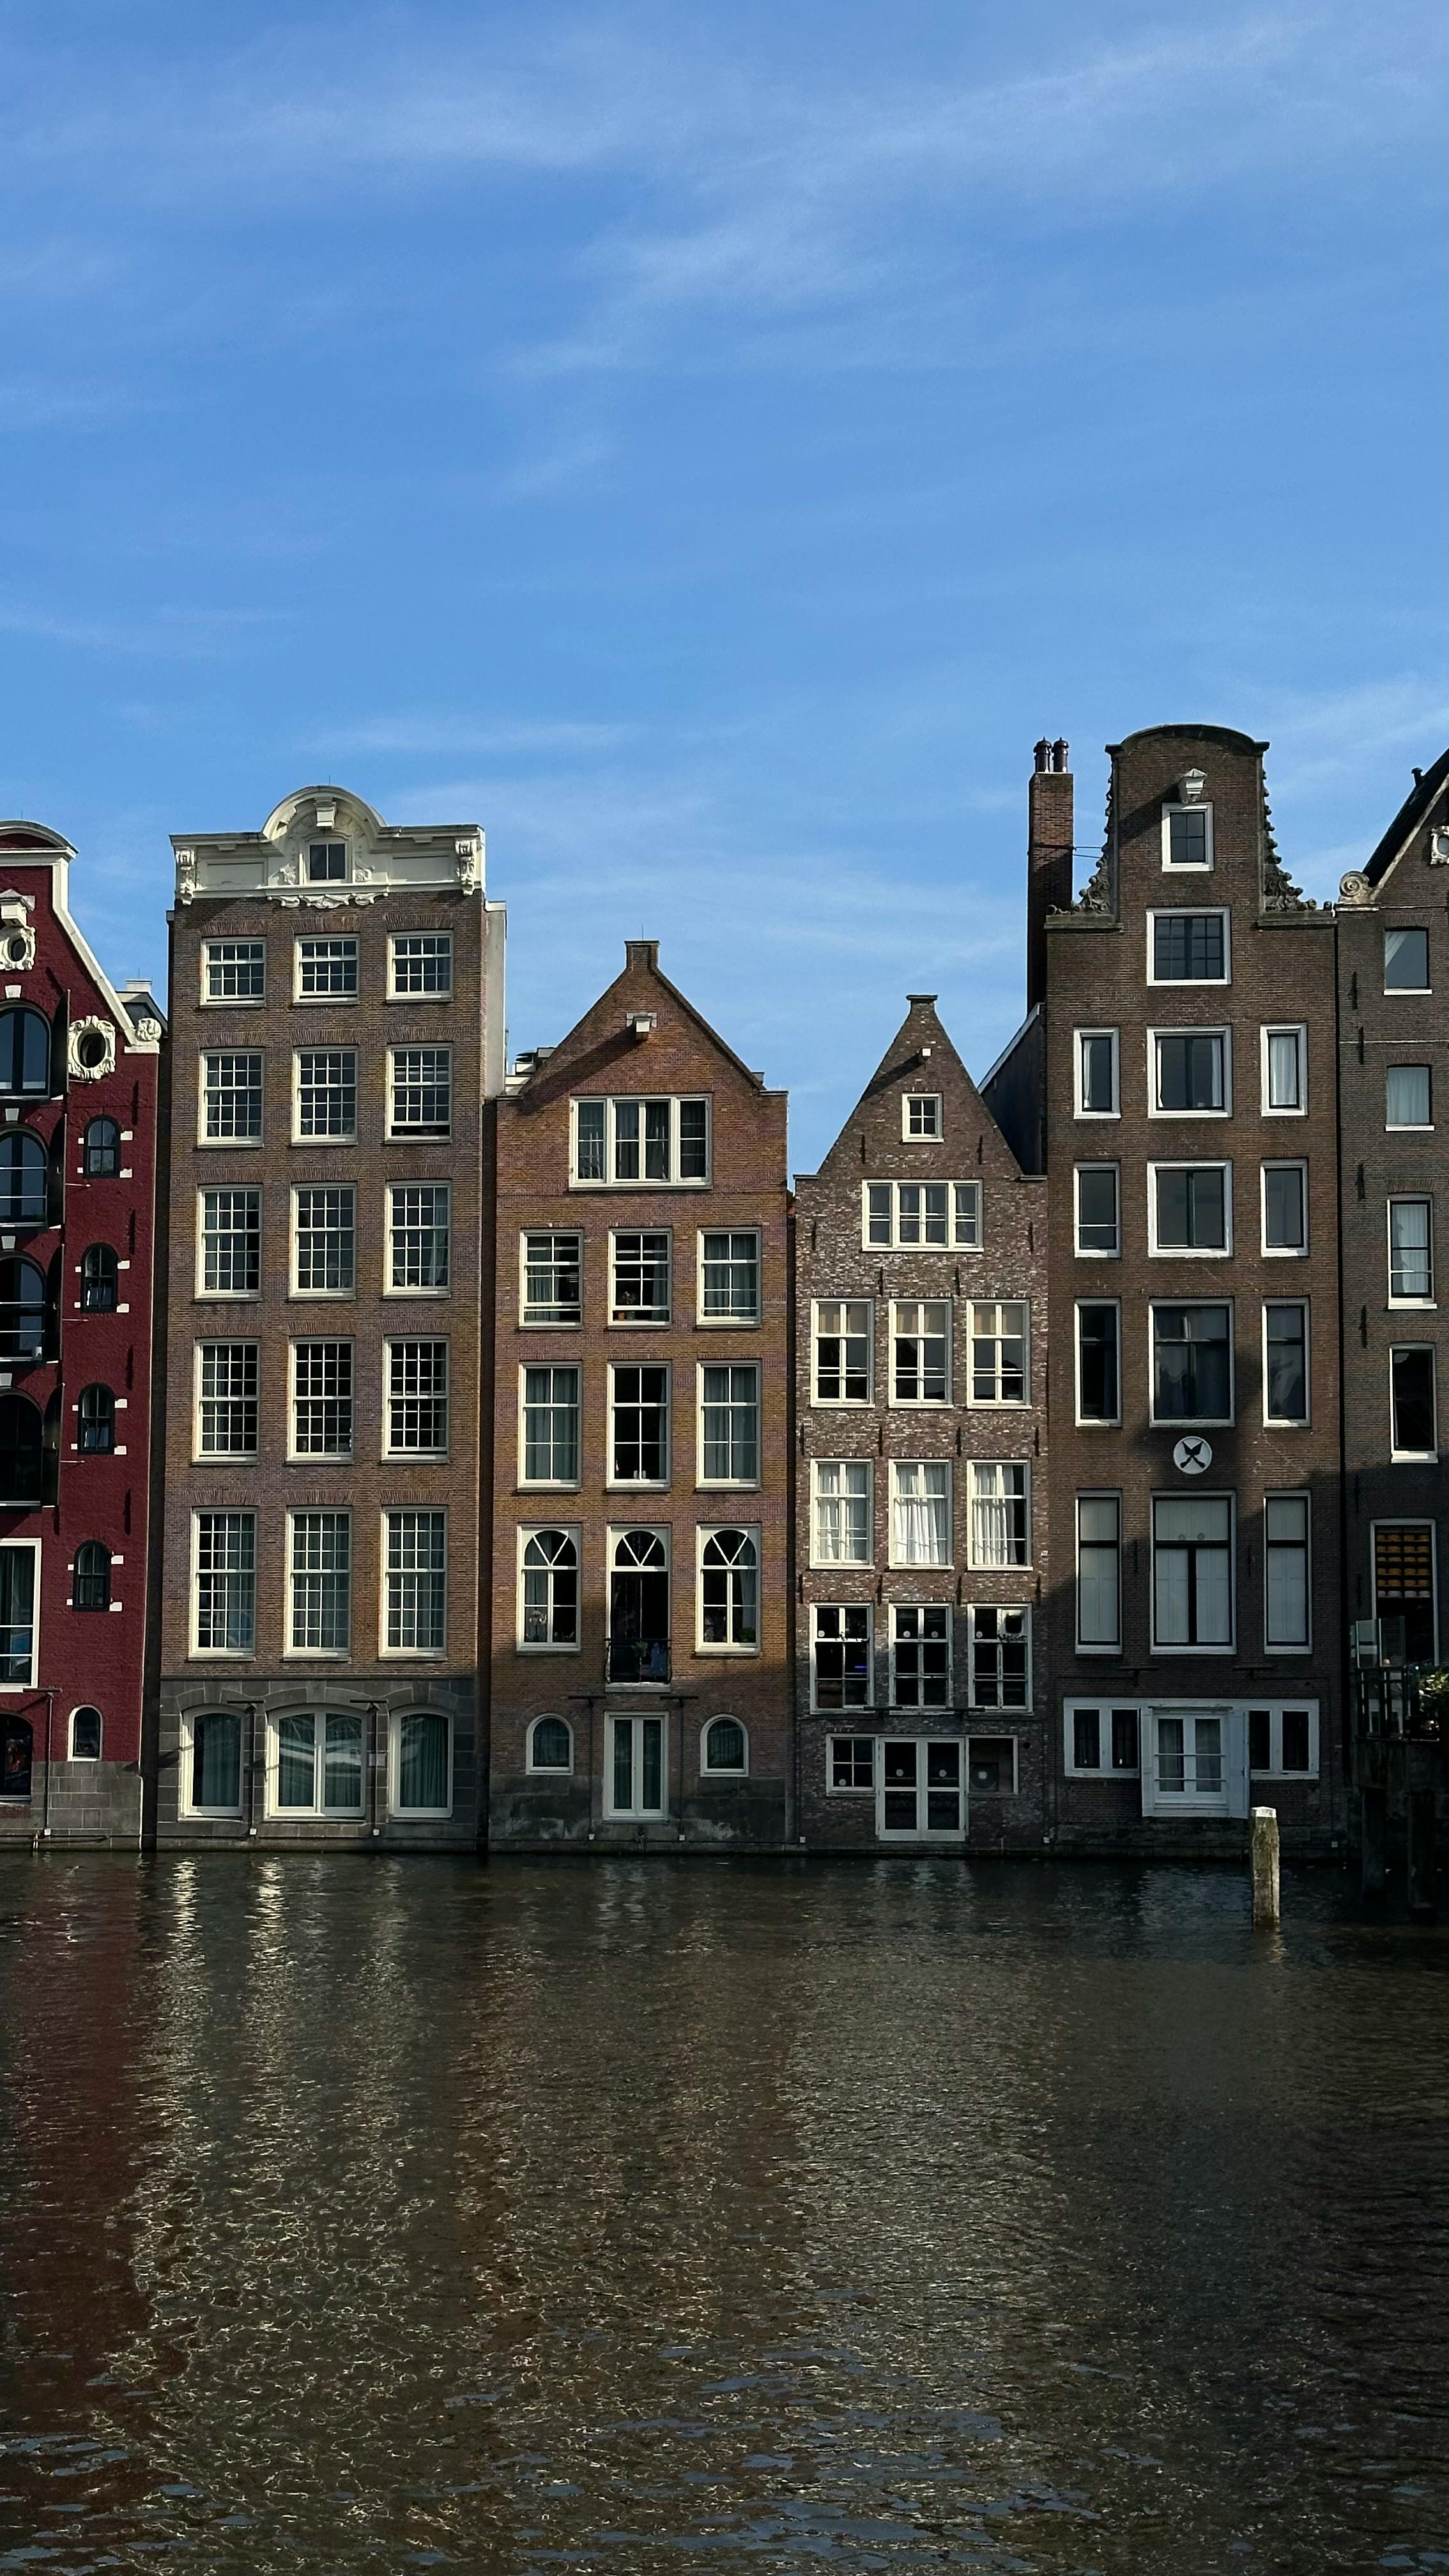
(97, 1420)
(91, 1585)
(421, 1785)
(101, 1150)
(24, 1053)
(22, 1308)
(550, 1589)
(85, 1735)
(550, 1745)
(729, 1590)
(213, 1774)
(21, 1472)
(639, 1608)
(100, 1280)
(725, 1747)
(15, 1759)
(23, 1170)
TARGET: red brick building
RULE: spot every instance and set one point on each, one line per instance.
(79, 1066)
(921, 1512)
(640, 1686)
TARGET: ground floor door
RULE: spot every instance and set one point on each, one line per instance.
(920, 1790)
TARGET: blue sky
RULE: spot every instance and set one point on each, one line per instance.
(707, 447)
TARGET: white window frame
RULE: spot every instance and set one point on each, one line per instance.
(223, 1457)
(921, 1832)
(1232, 1798)
(400, 1342)
(315, 1654)
(924, 1403)
(323, 1143)
(754, 1532)
(849, 1788)
(997, 1403)
(1410, 1198)
(1277, 1709)
(999, 1708)
(1222, 1031)
(919, 1709)
(318, 1296)
(33, 1544)
(1105, 1703)
(319, 1457)
(528, 1323)
(1409, 1126)
(721, 1770)
(548, 1717)
(99, 1754)
(635, 1813)
(1190, 983)
(1284, 1029)
(1398, 992)
(316, 1813)
(397, 1135)
(728, 1323)
(963, 1210)
(1079, 1088)
(231, 1001)
(525, 1532)
(1282, 1251)
(222, 1654)
(1186, 867)
(1097, 1645)
(993, 1566)
(424, 998)
(326, 1001)
(1291, 1494)
(842, 1403)
(230, 1144)
(1192, 1421)
(416, 1815)
(833, 1564)
(1407, 1520)
(1190, 1252)
(651, 1484)
(640, 1323)
(391, 1290)
(916, 1564)
(1219, 1494)
(413, 1654)
(933, 1132)
(1095, 1421)
(550, 1484)
(328, 843)
(727, 1484)
(1284, 1422)
(1413, 1457)
(187, 1805)
(862, 1707)
(1091, 1252)
(697, 1181)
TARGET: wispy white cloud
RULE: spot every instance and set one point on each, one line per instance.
(426, 737)
(183, 633)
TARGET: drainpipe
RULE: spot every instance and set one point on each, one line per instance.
(49, 1718)
(251, 1770)
(374, 1710)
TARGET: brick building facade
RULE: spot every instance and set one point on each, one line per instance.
(338, 991)
(640, 1690)
(79, 1066)
(921, 1522)
(1177, 1077)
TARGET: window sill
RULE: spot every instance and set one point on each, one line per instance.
(526, 1323)
(727, 1323)
(521, 1649)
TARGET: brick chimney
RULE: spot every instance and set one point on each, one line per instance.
(1048, 857)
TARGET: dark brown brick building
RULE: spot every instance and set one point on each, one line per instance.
(921, 1521)
(1177, 1078)
(338, 991)
(640, 1689)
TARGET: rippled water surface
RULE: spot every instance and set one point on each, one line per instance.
(630, 2217)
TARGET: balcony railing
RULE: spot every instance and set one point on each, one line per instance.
(638, 1659)
(1401, 1700)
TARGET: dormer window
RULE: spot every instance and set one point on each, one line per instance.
(1187, 837)
(327, 863)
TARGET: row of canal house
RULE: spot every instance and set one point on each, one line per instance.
(507, 1455)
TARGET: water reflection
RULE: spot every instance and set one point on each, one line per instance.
(410, 2214)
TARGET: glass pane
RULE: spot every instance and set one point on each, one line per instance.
(342, 1766)
(623, 1764)
(296, 1762)
(422, 1762)
(1408, 1096)
(216, 1767)
(652, 1729)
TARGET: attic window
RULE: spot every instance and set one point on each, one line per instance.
(327, 863)
(920, 1115)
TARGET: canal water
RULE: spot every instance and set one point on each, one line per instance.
(388, 2215)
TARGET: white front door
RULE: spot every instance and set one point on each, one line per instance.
(920, 1794)
(636, 1781)
(1194, 1762)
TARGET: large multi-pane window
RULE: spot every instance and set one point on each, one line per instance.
(1408, 1096)
(326, 969)
(1413, 1427)
(1000, 1511)
(1103, 1739)
(729, 1277)
(1404, 1598)
(234, 970)
(322, 1382)
(1285, 1362)
(1099, 1570)
(851, 1761)
(421, 1764)
(326, 1096)
(842, 1350)
(729, 1424)
(1411, 1252)
(1286, 1617)
(1191, 1207)
(639, 1426)
(920, 1343)
(926, 1216)
(320, 1575)
(639, 1279)
(1190, 1072)
(17, 1612)
(840, 1655)
(317, 1763)
(639, 1638)
(420, 1091)
(729, 1589)
(1187, 836)
(324, 1241)
(231, 1098)
(224, 1583)
(421, 963)
(999, 1344)
(230, 1223)
(1099, 1372)
(1192, 1570)
(549, 1608)
(920, 1511)
(226, 1399)
(1099, 1224)
(417, 1399)
(1000, 1656)
(415, 1577)
(25, 1053)
(1188, 947)
(623, 1143)
(550, 1426)
(211, 1762)
(418, 1226)
(840, 1522)
(920, 1655)
(553, 1284)
(1192, 1363)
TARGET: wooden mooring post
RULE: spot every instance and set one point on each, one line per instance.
(1265, 1864)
